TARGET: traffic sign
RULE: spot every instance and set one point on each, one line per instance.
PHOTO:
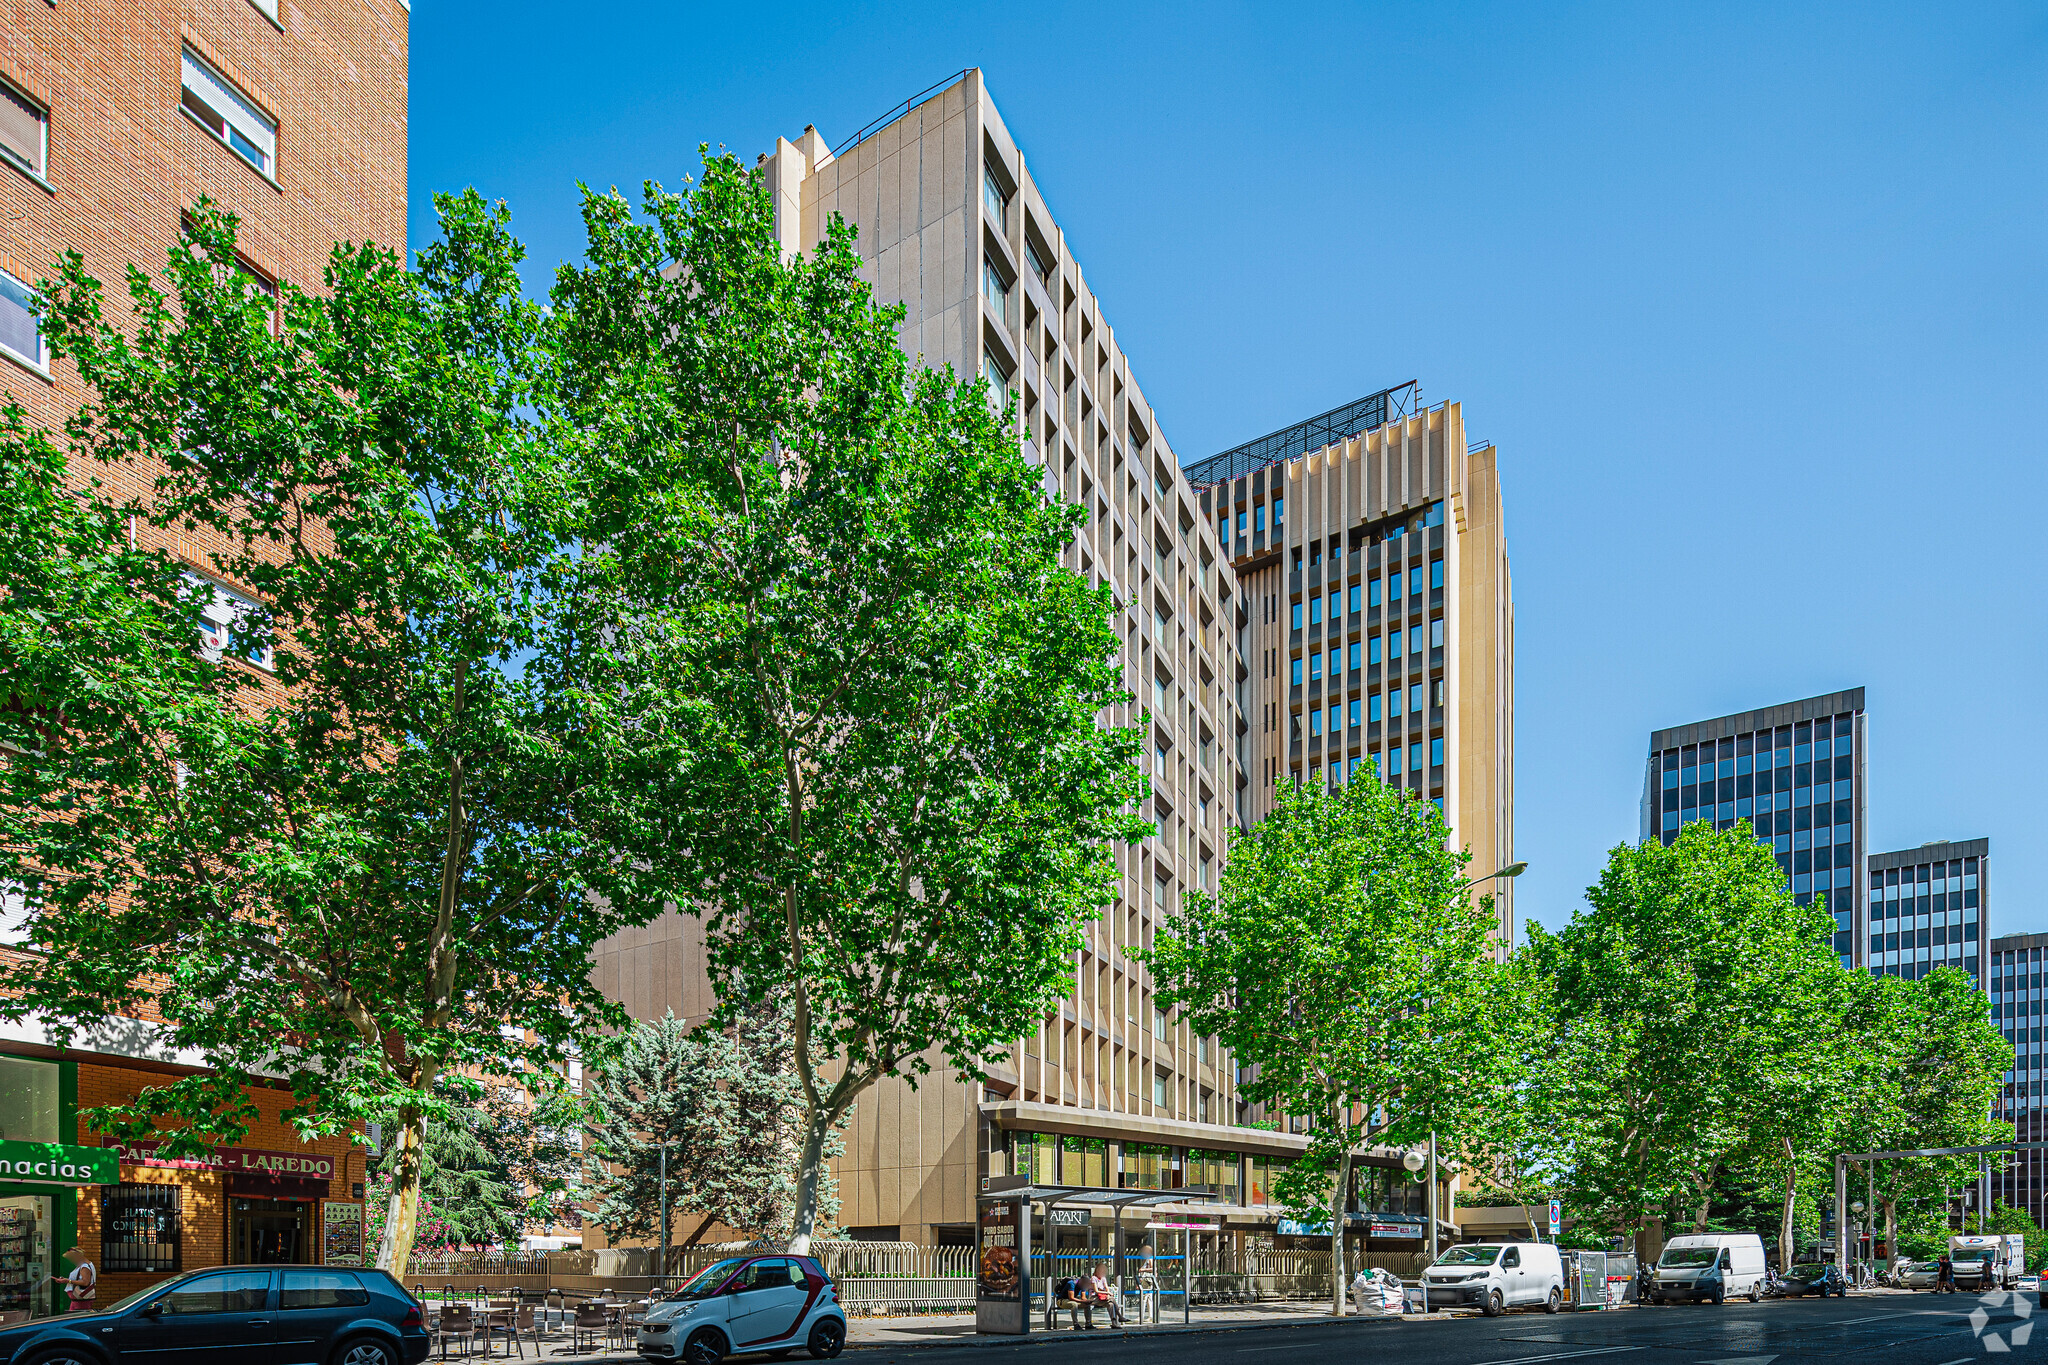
(1556, 1216)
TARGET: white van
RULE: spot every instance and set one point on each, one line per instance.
(1710, 1265)
(1497, 1276)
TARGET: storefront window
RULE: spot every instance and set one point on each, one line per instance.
(1084, 1161)
(1031, 1155)
(139, 1227)
(269, 1231)
(28, 1100)
(1217, 1170)
(1259, 1173)
(25, 1230)
(1146, 1166)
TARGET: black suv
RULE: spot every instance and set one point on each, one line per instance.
(236, 1315)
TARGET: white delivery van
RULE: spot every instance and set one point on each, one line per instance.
(1980, 1261)
(1496, 1276)
(1709, 1265)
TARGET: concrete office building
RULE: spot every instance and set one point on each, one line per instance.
(1369, 544)
(1929, 907)
(2013, 977)
(1796, 772)
(1110, 1090)
(115, 118)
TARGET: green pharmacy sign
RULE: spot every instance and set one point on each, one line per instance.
(58, 1163)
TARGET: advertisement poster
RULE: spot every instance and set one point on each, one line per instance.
(1002, 1297)
(342, 1228)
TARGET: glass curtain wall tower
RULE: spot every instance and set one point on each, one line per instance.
(1796, 773)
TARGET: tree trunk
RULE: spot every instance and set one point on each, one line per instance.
(401, 1217)
(1891, 1231)
(1785, 1216)
(1337, 1201)
(1650, 1240)
(809, 1172)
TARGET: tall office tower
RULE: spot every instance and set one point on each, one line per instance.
(1796, 772)
(1929, 907)
(2013, 977)
(116, 117)
(952, 224)
(1381, 636)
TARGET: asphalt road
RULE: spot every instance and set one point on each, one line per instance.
(1917, 1329)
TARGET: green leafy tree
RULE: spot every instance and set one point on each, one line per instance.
(391, 812)
(1343, 959)
(489, 1166)
(901, 804)
(728, 1107)
(1678, 990)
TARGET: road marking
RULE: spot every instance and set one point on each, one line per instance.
(1741, 1360)
(1564, 1355)
(1959, 1360)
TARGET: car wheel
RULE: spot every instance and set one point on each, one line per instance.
(62, 1357)
(1755, 1293)
(1555, 1301)
(364, 1351)
(705, 1347)
(1494, 1305)
(828, 1338)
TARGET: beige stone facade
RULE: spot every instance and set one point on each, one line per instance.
(952, 224)
(1381, 626)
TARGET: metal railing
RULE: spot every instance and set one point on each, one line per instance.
(1326, 428)
(897, 111)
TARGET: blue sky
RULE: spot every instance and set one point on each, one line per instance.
(1750, 297)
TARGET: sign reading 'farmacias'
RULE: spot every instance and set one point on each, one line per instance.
(59, 1163)
(249, 1160)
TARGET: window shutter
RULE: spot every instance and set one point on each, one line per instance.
(21, 129)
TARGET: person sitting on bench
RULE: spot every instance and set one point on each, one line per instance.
(1070, 1294)
(1095, 1288)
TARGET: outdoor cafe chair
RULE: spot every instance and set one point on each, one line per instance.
(591, 1321)
(455, 1320)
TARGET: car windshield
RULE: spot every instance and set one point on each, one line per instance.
(1469, 1256)
(1684, 1256)
(709, 1278)
(1808, 1272)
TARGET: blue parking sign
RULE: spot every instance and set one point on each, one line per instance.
(1556, 1216)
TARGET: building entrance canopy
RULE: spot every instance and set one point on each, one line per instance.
(1021, 1187)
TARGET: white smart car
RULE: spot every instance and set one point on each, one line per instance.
(746, 1304)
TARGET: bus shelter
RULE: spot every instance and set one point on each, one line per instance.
(1018, 1256)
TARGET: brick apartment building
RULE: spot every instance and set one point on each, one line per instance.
(115, 117)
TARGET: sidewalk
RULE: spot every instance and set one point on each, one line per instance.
(957, 1329)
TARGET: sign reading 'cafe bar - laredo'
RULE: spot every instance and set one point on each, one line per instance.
(235, 1161)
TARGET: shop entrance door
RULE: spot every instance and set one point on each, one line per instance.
(268, 1231)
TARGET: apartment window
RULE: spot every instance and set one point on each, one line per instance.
(1372, 646)
(1372, 590)
(1354, 599)
(1159, 765)
(228, 116)
(1279, 510)
(24, 131)
(1394, 761)
(1394, 703)
(1373, 708)
(994, 200)
(1336, 719)
(1415, 638)
(1297, 616)
(1315, 664)
(1336, 663)
(21, 332)
(1315, 610)
(269, 8)
(1354, 714)
(1436, 633)
(1393, 644)
(1336, 606)
(1354, 656)
(996, 290)
(1436, 693)
(1259, 518)
(1159, 1092)
(1436, 573)
(1315, 721)
(998, 379)
(1436, 753)
(1415, 756)
(1297, 672)
(1240, 526)
(1394, 586)
(1034, 260)
(1414, 696)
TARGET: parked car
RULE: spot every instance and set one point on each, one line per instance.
(1709, 1266)
(746, 1304)
(1496, 1276)
(2027, 1284)
(1809, 1277)
(237, 1315)
(1919, 1274)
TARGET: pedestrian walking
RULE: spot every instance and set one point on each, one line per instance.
(1944, 1275)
